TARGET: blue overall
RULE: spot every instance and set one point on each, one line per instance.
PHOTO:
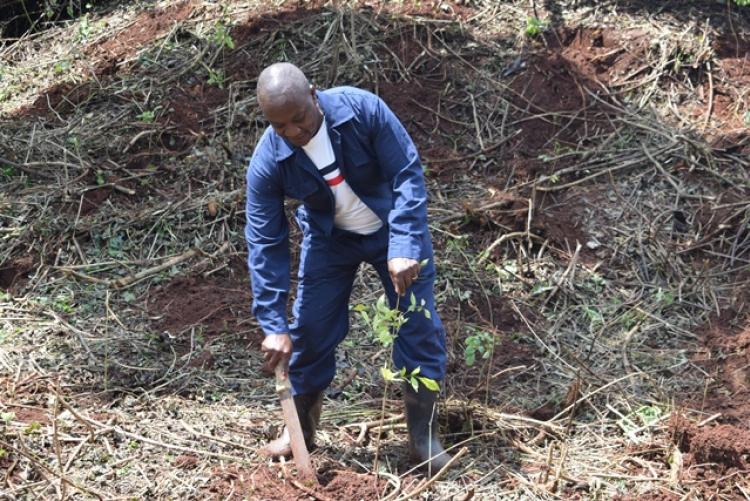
(379, 161)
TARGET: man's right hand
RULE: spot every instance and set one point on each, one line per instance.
(277, 348)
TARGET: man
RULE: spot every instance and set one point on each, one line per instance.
(345, 155)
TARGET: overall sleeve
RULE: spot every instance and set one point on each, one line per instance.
(399, 160)
(267, 236)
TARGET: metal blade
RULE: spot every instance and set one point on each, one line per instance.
(291, 419)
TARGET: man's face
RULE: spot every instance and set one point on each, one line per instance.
(295, 118)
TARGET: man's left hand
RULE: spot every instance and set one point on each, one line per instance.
(404, 272)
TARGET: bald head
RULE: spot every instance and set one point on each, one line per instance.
(288, 102)
(281, 81)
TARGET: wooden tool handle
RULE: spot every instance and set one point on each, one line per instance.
(282, 383)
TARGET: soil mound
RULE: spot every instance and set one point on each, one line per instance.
(266, 484)
(723, 446)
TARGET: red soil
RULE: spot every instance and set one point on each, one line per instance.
(219, 304)
(146, 27)
(106, 56)
(715, 449)
(263, 483)
(727, 359)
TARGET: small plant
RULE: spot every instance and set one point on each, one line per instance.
(147, 116)
(61, 67)
(746, 117)
(664, 298)
(595, 317)
(63, 304)
(216, 77)
(385, 322)
(742, 3)
(643, 417)
(482, 343)
(7, 171)
(84, 29)
(3, 453)
(7, 417)
(221, 36)
(115, 246)
(534, 27)
(32, 427)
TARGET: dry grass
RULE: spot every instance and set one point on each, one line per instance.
(636, 236)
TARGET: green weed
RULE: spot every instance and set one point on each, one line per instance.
(32, 427)
(61, 67)
(7, 171)
(63, 304)
(664, 298)
(216, 77)
(221, 36)
(84, 29)
(147, 116)
(534, 27)
(480, 344)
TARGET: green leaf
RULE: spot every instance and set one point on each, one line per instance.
(416, 371)
(427, 314)
(649, 414)
(385, 339)
(128, 296)
(147, 116)
(424, 262)
(414, 384)
(413, 299)
(430, 384)
(387, 374)
(381, 304)
(359, 308)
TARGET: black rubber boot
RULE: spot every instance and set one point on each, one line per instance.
(422, 423)
(308, 410)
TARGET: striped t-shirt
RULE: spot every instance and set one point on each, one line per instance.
(351, 212)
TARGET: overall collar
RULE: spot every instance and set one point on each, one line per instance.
(335, 111)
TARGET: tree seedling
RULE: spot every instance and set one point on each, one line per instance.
(385, 322)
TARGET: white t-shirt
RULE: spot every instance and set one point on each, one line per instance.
(351, 212)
